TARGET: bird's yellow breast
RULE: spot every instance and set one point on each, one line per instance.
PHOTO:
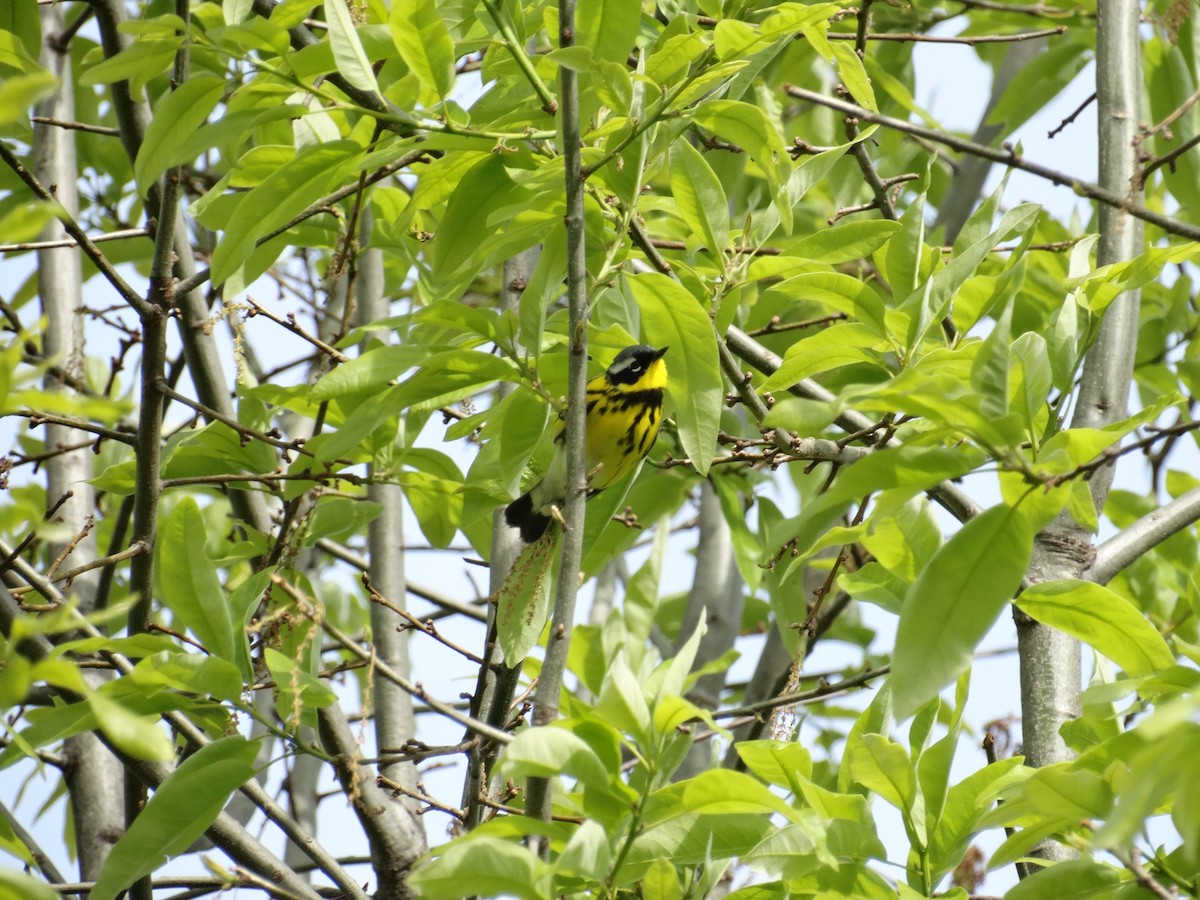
(622, 424)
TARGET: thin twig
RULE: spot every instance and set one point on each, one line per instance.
(420, 795)
(912, 37)
(1169, 158)
(291, 325)
(128, 294)
(1142, 875)
(310, 608)
(76, 126)
(122, 235)
(1072, 117)
(426, 627)
(40, 418)
(817, 693)
(1006, 157)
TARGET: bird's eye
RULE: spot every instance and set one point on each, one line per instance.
(637, 367)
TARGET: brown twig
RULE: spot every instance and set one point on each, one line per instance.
(1007, 157)
(40, 418)
(291, 325)
(128, 294)
(1168, 159)
(515, 811)
(1174, 115)
(1110, 454)
(823, 690)
(122, 235)
(1142, 875)
(912, 37)
(420, 795)
(76, 126)
(426, 627)
(1036, 9)
(1072, 117)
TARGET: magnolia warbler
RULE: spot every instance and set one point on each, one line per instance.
(624, 411)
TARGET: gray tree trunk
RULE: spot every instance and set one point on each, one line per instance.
(1050, 666)
(92, 773)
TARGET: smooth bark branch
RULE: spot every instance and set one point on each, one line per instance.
(394, 721)
(1049, 659)
(395, 838)
(561, 622)
(1106, 196)
(1143, 535)
(496, 683)
(91, 772)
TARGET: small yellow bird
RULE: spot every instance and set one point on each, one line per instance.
(624, 412)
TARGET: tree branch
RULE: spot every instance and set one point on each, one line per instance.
(1104, 196)
(1145, 534)
(562, 619)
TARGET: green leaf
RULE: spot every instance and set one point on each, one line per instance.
(966, 803)
(1031, 379)
(1102, 618)
(15, 886)
(776, 762)
(587, 853)
(693, 839)
(672, 317)
(715, 791)
(955, 601)
(339, 518)
(929, 303)
(425, 45)
(609, 27)
(747, 126)
(1072, 879)
(903, 257)
(287, 191)
(373, 369)
(523, 606)
(138, 63)
(989, 371)
(842, 344)
(1044, 76)
(853, 75)
(484, 865)
(883, 767)
(551, 751)
(193, 673)
(480, 205)
(840, 292)
(137, 735)
(845, 242)
(177, 117)
(622, 701)
(904, 468)
(661, 882)
(699, 196)
(182, 808)
(436, 502)
(298, 693)
(794, 850)
(187, 580)
(348, 52)
(17, 95)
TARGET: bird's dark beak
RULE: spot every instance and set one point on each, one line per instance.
(658, 354)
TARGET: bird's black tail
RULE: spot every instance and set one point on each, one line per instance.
(521, 514)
